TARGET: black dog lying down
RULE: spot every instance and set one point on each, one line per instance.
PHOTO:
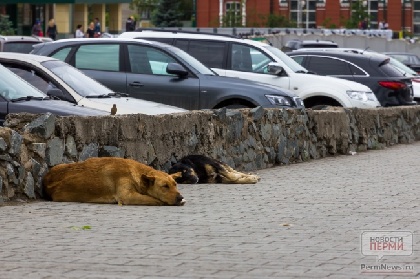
(202, 169)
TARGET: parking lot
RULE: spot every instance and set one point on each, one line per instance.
(301, 221)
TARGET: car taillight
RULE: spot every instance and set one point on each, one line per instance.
(394, 85)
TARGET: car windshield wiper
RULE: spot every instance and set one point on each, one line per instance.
(109, 95)
(28, 98)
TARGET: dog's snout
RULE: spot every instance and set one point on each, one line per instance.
(180, 200)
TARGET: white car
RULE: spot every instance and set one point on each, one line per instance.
(252, 60)
(58, 79)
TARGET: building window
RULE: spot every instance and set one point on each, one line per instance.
(303, 12)
(233, 14)
(416, 17)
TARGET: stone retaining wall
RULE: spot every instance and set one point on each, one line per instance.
(248, 139)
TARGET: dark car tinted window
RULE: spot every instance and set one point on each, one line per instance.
(248, 59)
(62, 54)
(319, 46)
(148, 60)
(328, 66)
(182, 44)
(32, 77)
(103, 57)
(390, 70)
(21, 47)
(209, 53)
(356, 71)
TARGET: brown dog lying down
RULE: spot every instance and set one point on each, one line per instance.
(111, 180)
(202, 169)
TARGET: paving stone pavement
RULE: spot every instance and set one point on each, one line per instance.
(301, 221)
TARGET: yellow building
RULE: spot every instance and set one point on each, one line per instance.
(68, 14)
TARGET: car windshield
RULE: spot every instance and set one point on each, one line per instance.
(292, 64)
(14, 87)
(79, 82)
(194, 63)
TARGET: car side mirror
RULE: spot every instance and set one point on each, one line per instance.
(275, 69)
(176, 69)
(57, 93)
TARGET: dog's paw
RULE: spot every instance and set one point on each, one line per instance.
(183, 201)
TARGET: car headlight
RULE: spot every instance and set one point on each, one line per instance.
(279, 100)
(361, 95)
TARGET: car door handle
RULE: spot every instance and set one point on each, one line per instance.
(136, 84)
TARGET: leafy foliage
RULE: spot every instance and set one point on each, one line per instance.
(6, 26)
(358, 13)
(167, 14)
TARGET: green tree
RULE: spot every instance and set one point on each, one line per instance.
(143, 5)
(278, 21)
(6, 26)
(167, 14)
(358, 13)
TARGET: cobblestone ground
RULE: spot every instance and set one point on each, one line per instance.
(300, 221)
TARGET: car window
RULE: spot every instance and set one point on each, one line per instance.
(248, 59)
(182, 44)
(390, 70)
(103, 57)
(12, 86)
(148, 60)
(356, 71)
(286, 59)
(76, 79)
(328, 66)
(32, 77)
(298, 59)
(211, 54)
(62, 54)
(21, 47)
(191, 61)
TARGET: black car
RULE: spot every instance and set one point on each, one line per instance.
(16, 95)
(162, 73)
(390, 86)
(409, 59)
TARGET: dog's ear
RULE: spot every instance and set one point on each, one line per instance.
(147, 180)
(176, 175)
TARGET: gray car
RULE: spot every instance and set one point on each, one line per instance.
(162, 73)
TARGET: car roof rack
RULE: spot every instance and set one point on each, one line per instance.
(186, 32)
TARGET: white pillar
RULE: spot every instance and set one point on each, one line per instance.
(244, 13)
(220, 13)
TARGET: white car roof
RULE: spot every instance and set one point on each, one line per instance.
(175, 34)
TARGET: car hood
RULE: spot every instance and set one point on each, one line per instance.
(54, 107)
(126, 105)
(244, 85)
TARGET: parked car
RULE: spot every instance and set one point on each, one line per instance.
(409, 59)
(162, 73)
(58, 79)
(22, 44)
(257, 61)
(16, 95)
(298, 44)
(390, 86)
